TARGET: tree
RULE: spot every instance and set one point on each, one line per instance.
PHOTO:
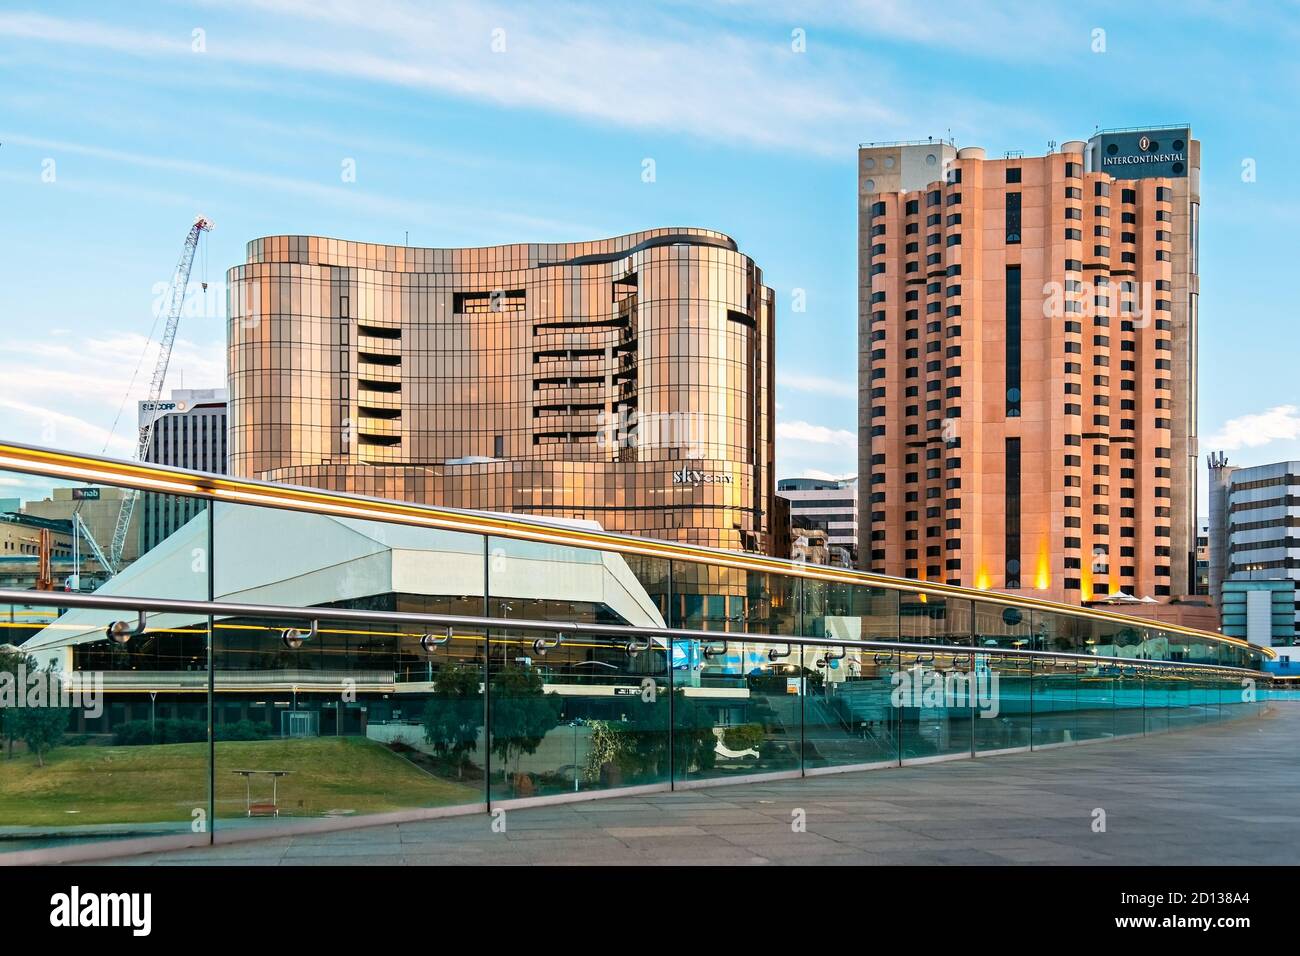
(41, 728)
(11, 660)
(522, 712)
(693, 739)
(454, 716)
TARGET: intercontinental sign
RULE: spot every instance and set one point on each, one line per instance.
(1143, 154)
(1143, 159)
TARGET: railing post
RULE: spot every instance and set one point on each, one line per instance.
(212, 682)
(672, 719)
(487, 678)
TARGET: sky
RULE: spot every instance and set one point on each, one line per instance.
(477, 123)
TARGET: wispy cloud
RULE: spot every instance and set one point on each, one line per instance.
(1280, 423)
(309, 185)
(817, 385)
(634, 67)
(824, 475)
(815, 434)
(72, 390)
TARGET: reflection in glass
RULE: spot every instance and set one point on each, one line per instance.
(937, 695)
(849, 716)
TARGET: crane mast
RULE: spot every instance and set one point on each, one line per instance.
(175, 304)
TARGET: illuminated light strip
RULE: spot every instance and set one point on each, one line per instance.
(291, 497)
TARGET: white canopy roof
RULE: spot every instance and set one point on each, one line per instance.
(272, 556)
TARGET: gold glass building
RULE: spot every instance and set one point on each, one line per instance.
(627, 381)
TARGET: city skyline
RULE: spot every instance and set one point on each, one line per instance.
(452, 141)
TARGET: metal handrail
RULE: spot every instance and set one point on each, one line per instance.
(76, 466)
(558, 628)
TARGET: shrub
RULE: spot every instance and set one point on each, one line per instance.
(743, 736)
(136, 733)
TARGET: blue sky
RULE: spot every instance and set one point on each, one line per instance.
(459, 143)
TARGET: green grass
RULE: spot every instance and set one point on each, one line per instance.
(166, 782)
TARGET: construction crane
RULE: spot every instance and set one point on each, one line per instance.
(175, 300)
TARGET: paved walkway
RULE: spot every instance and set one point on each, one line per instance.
(1226, 794)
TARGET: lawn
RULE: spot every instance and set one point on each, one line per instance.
(166, 782)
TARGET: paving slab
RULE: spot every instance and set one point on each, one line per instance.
(1221, 793)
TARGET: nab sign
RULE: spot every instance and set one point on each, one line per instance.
(1142, 154)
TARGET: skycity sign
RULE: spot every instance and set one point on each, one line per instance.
(687, 477)
(1142, 154)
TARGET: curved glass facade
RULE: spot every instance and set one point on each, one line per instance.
(627, 381)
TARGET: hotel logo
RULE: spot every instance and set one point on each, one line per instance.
(694, 478)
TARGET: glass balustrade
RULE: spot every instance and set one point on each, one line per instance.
(574, 666)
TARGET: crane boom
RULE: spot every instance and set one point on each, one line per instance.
(175, 304)
(80, 530)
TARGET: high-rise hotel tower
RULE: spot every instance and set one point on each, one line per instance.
(1027, 366)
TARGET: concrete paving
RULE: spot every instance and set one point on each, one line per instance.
(1222, 794)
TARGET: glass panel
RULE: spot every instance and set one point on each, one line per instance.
(1207, 697)
(1054, 687)
(1062, 632)
(849, 612)
(849, 717)
(94, 750)
(1181, 698)
(708, 598)
(1094, 695)
(62, 534)
(999, 625)
(357, 717)
(926, 617)
(589, 713)
(1007, 727)
(106, 738)
(574, 713)
(354, 719)
(935, 696)
(1129, 701)
(1156, 696)
(749, 703)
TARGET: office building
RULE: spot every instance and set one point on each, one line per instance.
(189, 431)
(1027, 366)
(828, 506)
(34, 552)
(1202, 557)
(1255, 550)
(627, 381)
(97, 507)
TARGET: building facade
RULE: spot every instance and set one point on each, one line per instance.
(33, 548)
(1202, 557)
(1027, 385)
(97, 508)
(1255, 550)
(627, 381)
(189, 431)
(826, 505)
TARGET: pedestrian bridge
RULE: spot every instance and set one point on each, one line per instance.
(291, 660)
